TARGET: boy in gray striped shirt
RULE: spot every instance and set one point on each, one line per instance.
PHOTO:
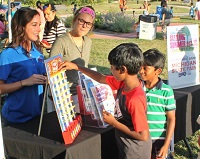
(160, 103)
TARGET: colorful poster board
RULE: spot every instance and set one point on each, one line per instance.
(70, 123)
(96, 97)
(183, 55)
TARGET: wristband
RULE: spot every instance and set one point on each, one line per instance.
(21, 83)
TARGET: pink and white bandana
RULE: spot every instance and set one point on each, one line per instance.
(88, 10)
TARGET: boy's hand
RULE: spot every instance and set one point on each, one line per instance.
(163, 153)
(66, 65)
(109, 118)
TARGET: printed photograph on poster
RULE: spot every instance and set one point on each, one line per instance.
(183, 55)
(52, 64)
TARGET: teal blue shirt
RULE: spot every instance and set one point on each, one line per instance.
(25, 103)
(12, 14)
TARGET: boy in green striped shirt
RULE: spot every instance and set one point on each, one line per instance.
(160, 103)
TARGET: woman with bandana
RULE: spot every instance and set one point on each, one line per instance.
(54, 27)
(75, 45)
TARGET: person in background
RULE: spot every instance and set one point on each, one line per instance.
(148, 8)
(162, 2)
(76, 45)
(171, 11)
(131, 129)
(40, 11)
(137, 28)
(166, 16)
(74, 9)
(197, 10)
(22, 69)
(145, 7)
(160, 103)
(3, 31)
(54, 27)
(133, 14)
(13, 10)
(192, 11)
(122, 5)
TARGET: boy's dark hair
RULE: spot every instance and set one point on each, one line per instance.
(155, 58)
(128, 55)
(171, 7)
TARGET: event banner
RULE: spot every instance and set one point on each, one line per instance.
(183, 55)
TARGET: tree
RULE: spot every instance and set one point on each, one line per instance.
(31, 3)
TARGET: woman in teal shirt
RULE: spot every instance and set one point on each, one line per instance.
(22, 69)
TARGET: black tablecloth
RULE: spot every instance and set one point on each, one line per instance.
(193, 107)
(91, 143)
(181, 127)
(21, 142)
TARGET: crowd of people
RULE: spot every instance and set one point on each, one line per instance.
(147, 104)
(166, 15)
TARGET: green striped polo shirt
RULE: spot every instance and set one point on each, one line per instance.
(160, 99)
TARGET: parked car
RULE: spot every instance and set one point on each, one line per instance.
(18, 5)
(3, 8)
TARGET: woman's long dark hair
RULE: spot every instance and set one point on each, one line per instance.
(21, 18)
(53, 23)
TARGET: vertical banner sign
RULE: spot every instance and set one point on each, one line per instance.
(183, 55)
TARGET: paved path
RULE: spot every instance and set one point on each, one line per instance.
(100, 35)
(107, 35)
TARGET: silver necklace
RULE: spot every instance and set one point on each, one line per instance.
(80, 50)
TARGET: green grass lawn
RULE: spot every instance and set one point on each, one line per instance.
(101, 48)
